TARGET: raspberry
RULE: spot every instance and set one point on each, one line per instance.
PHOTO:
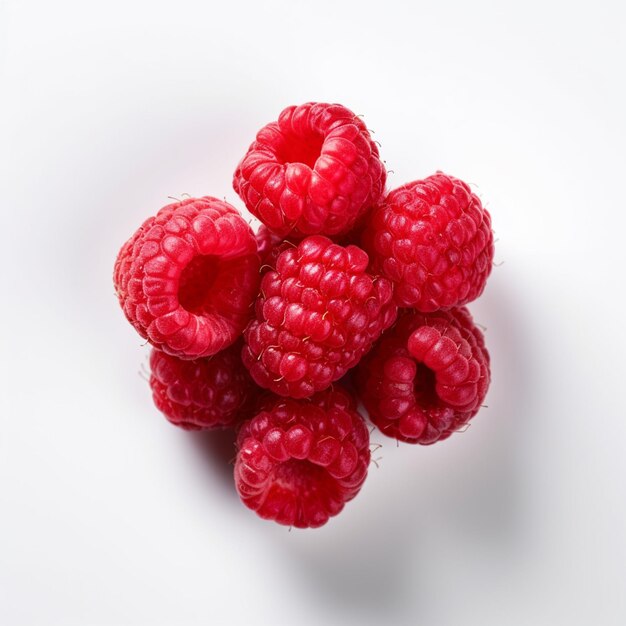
(433, 239)
(211, 392)
(317, 314)
(427, 377)
(299, 462)
(314, 171)
(266, 241)
(269, 246)
(186, 279)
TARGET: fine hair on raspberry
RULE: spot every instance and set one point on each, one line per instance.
(315, 170)
(187, 278)
(269, 246)
(200, 394)
(316, 315)
(300, 461)
(427, 377)
(266, 242)
(433, 239)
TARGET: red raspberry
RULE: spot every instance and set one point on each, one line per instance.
(314, 171)
(269, 246)
(299, 462)
(186, 279)
(427, 377)
(266, 241)
(433, 239)
(317, 314)
(212, 392)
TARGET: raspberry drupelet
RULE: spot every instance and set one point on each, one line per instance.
(317, 314)
(313, 171)
(199, 394)
(300, 461)
(269, 246)
(427, 377)
(187, 278)
(433, 239)
(266, 242)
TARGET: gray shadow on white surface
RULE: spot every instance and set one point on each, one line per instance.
(215, 453)
(385, 565)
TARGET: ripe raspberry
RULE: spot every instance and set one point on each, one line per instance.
(269, 246)
(186, 279)
(211, 392)
(314, 171)
(299, 462)
(433, 239)
(266, 241)
(427, 377)
(317, 314)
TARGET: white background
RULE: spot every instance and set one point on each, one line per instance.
(110, 516)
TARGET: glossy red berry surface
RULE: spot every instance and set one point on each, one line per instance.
(317, 314)
(433, 239)
(313, 171)
(269, 246)
(299, 462)
(206, 393)
(427, 377)
(187, 278)
(266, 242)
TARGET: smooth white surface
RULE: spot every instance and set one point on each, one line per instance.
(109, 516)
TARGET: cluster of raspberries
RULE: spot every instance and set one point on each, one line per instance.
(347, 292)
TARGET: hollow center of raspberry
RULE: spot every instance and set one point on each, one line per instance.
(424, 386)
(301, 150)
(195, 288)
(210, 285)
(305, 479)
